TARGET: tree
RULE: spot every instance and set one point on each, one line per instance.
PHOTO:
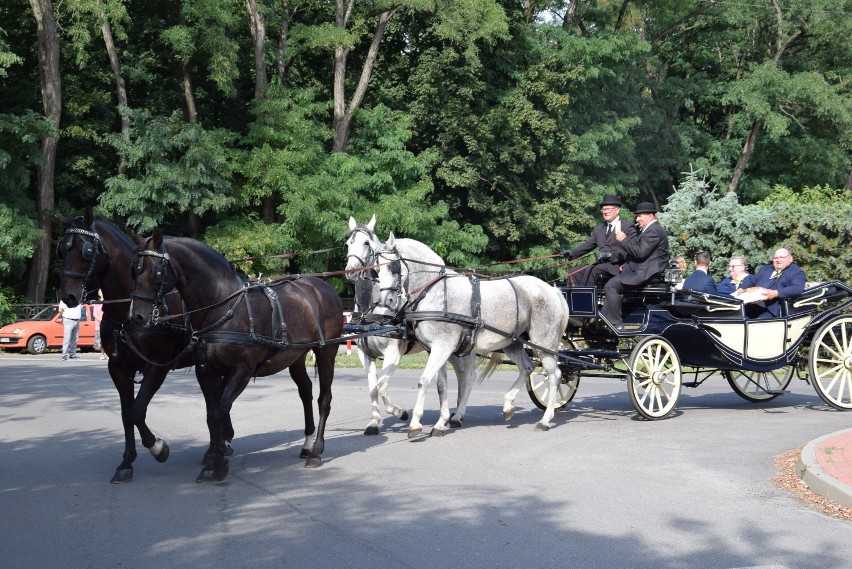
(51, 93)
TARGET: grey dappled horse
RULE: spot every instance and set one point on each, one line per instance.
(360, 244)
(443, 309)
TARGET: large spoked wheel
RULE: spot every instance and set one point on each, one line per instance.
(759, 386)
(655, 380)
(830, 362)
(538, 386)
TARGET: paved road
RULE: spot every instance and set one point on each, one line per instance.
(601, 489)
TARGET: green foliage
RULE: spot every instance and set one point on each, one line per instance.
(172, 167)
(815, 226)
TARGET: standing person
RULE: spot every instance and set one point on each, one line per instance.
(782, 279)
(610, 254)
(647, 256)
(700, 279)
(70, 329)
(738, 270)
(98, 315)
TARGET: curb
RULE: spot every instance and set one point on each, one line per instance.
(817, 479)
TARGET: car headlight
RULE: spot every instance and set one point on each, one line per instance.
(18, 331)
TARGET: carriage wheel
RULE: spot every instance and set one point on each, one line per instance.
(830, 362)
(538, 387)
(654, 378)
(759, 386)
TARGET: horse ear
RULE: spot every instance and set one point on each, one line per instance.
(352, 223)
(372, 225)
(138, 239)
(390, 239)
(62, 219)
(157, 238)
(88, 216)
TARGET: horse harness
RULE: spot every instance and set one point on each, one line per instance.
(409, 314)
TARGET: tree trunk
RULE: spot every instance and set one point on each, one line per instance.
(51, 95)
(283, 36)
(258, 34)
(343, 112)
(745, 155)
(848, 186)
(114, 63)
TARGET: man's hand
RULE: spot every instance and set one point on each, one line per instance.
(604, 257)
(567, 254)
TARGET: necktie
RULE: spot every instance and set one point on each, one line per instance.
(609, 229)
(775, 275)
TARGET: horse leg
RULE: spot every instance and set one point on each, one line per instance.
(392, 357)
(554, 376)
(439, 429)
(518, 355)
(300, 376)
(372, 381)
(466, 373)
(325, 357)
(437, 359)
(152, 380)
(123, 381)
(219, 396)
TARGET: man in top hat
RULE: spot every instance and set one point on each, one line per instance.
(610, 254)
(647, 256)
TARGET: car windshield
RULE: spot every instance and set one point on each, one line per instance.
(46, 313)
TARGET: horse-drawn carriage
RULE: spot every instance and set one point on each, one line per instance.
(671, 334)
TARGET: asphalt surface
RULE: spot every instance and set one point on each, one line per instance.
(603, 488)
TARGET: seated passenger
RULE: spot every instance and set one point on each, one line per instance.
(781, 279)
(738, 270)
(610, 254)
(700, 280)
(680, 263)
(647, 256)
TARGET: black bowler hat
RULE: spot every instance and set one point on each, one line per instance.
(645, 207)
(610, 199)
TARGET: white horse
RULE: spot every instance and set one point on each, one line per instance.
(457, 314)
(359, 249)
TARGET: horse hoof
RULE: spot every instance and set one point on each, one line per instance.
(542, 427)
(414, 432)
(163, 454)
(313, 462)
(122, 475)
(404, 416)
(211, 475)
(371, 430)
(229, 449)
(455, 424)
(508, 414)
(438, 433)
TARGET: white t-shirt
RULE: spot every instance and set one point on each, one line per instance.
(71, 313)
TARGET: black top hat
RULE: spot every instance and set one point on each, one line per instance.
(610, 199)
(645, 207)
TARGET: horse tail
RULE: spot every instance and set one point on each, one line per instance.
(487, 364)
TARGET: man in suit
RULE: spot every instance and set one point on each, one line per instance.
(700, 280)
(781, 279)
(610, 254)
(647, 256)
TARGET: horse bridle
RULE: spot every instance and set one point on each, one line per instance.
(395, 266)
(160, 271)
(370, 261)
(89, 252)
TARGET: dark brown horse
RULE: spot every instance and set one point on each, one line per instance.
(241, 329)
(95, 248)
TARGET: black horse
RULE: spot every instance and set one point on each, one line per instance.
(95, 248)
(241, 330)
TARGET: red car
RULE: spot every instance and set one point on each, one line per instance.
(45, 331)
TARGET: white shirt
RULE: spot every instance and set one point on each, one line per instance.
(71, 313)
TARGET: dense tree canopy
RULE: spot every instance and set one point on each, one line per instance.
(487, 128)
